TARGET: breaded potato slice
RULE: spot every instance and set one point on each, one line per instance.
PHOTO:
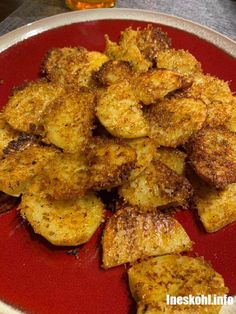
(152, 280)
(217, 96)
(181, 61)
(138, 46)
(120, 113)
(72, 66)
(66, 223)
(112, 72)
(65, 176)
(157, 186)
(18, 168)
(212, 154)
(26, 106)
(68, 122)
(131, 234)
(110, 161)
(154, 85)
(231, 123)
(145, 150)
(7, 134)
(216, 208)
(173, 121)
(172, 158)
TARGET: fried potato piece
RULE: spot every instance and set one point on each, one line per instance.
(157, 186)
(231, 123)
(138, 46)
(112, 72)
(172, 158)
(216, 208)
(174, 120)
(19, 168)
(66, 223)
(7, 134)
(65, 176)
(181, 61)
(145, 150)
(151, 40)
(212, 153)
(72, 66)
(152, 280)
(120, 113)
(68, 122)
(131, 234)
(110, 161)
(26, 106)
(154, 85)
(217, 96)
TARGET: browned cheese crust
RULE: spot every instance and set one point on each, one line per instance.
(157, 186)
(178, 60)
(26, 106)
(110, 161)
(217, 96)
(173, 121)
(68, 122)
(112, 72)
(151, 280)
(131, 234)
(72, 66)
(212, 153)
(155, 84)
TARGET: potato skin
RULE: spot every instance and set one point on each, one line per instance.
(120, 113)
(110, 162)
(212, 154)
(155, 84)
(157, 186)
(173, 121)
(26, 106)
(70, 117)
(62, 223)
(151, 280)
(131, 234)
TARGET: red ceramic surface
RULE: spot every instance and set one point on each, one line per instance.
(40, 278)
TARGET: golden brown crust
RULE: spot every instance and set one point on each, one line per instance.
(217, 96)
(112, 72)
(20, 167)
(110, 161)
(212, 153)
(65, 176)
(172, 158)
(155, 84)
(131, 234)
(26, 106)
(68, 122)
(7, 134)
(174, 120)
(157, 186)
(72, 66)
(180, 61)
(151, 280)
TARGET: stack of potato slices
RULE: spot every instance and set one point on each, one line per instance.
(142, 119)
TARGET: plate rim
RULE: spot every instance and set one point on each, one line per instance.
(29, 30)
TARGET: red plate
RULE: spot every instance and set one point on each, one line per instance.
(40, 278)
